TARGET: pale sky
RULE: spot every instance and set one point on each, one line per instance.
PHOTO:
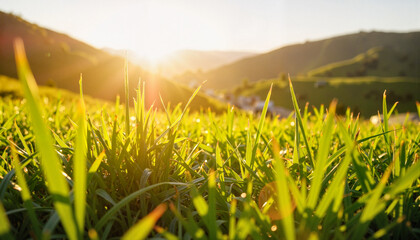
(156, 27)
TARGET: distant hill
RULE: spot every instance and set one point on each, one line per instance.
(300, 59)
(192, 60)
(184, 60)
(362, 94)
(57, 60)
(378, 61)
(11, 88)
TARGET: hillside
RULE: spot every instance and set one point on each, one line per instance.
(300, 59)
(11, 88)
(192, 60)
(379, 61)
(363, 94)
(57, 60)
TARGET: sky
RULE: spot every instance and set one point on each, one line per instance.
(156, 27)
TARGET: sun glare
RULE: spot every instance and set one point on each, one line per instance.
(158, 29)
(155, 54)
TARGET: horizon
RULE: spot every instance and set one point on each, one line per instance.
(216, 26)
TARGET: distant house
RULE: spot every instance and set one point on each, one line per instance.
(255, 105)
(193, 84)
(229, 97)
(320, 83)
(210, 92)
(259, 106)
(281, 112)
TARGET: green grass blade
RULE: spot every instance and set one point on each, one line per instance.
(248, 150)
(186, 107)
(52, 168)
(401, 184)
(200, 204)
(385, 122)
(232, 219)
(22, 140)
(260, 126)
(212, 207)
(111, 212)
(373, 206)
(104, 128)
(102, 193)
(333, 189)
(322, 157)
(167, 235)
(95, 165)
(142, 229)
(300, 123)
(283, 195)
(8, 124)
(60, 142)
(79, 165)
(191, 226)
(127, 98)
(5, 182)
(5, 224)
(25, 193)
(392, 109)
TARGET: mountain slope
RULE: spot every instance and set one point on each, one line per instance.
(362, 94)
(379, 61)
(192, 60)
(301, 58)
(58, 60)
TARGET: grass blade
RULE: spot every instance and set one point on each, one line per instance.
(52, 168)
(111, 212)
(26, 195)
(300, 122)
(385, 122)
(79, 165)
(142, 229)
(405, 181)
(261, 125)
(333, 189)
(127, 101)
(5, 224)
(322, 157)
(373, 206)
(212, 207)
(283, 195)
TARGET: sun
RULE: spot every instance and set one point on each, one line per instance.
(155, 30)
(155, 54)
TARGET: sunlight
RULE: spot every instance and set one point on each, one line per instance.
(155, 54)
(208, 139)
(159, 29)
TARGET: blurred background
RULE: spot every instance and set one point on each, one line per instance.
(352, 51)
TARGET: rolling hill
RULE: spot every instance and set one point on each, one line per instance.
(379, 61)
(57, 60)
(397, 49)
(192, 60)
(362, 94)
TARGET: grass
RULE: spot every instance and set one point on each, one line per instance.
(69, 171)
(362, 94)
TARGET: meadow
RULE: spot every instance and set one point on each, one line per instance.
(362, 94)
(78, 170)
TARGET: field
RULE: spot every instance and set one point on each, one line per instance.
(75, 169)
(362, 94)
